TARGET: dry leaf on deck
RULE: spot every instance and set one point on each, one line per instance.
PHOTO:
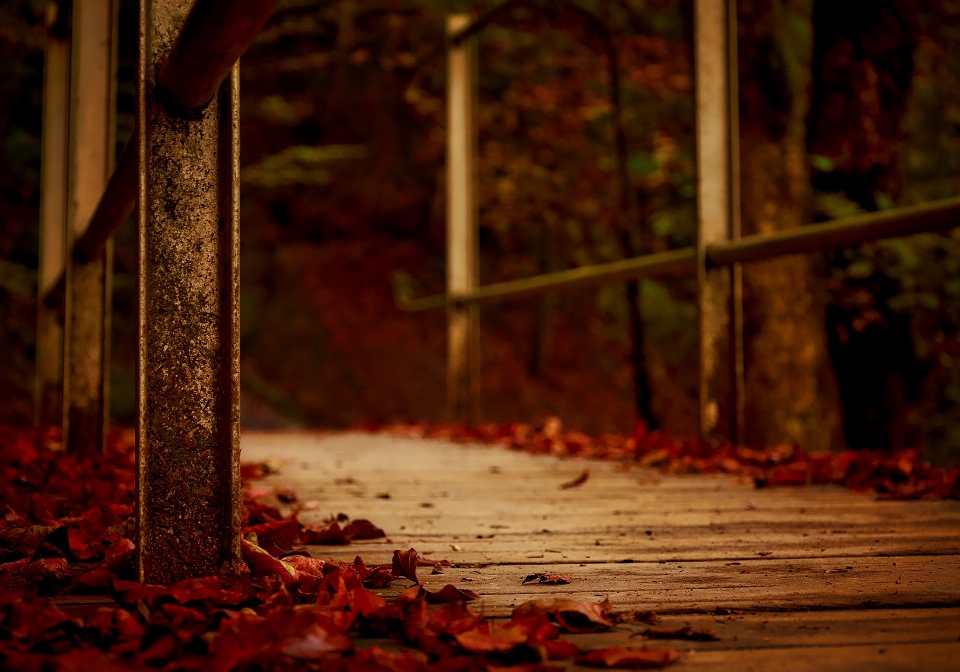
(578, 481)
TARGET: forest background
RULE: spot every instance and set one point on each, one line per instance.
(846, 107)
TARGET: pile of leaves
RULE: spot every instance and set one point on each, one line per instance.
(893, 475)
(67, 530)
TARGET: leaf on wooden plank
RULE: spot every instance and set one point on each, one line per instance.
(262, 563)
(405, 564)
(578, 481)
(548, 579)
(450, 593)
(571, 615)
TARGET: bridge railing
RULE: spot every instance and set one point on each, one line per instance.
(715, 260)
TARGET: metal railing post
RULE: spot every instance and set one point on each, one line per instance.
(88, 287)
(719, 290)
(463, 321)
(53, 214)
(188, 405)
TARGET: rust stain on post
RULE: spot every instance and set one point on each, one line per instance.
(87, 296)
(188, 501)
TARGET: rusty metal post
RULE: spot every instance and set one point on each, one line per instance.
(719, 290)
(87, 296)
(463, 321)
(53, 213)
(188, 405)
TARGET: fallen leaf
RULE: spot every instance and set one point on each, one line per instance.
(636, 658)
(578, 481)
(262, 563)
(548, 579)
(314, 643)
(450, 593)
(649, 617)
(405, 564)
(45, 570)
(277, 536)
(571, 615)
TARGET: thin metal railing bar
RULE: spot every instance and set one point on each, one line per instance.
(214, 36)
(929, 217)
(661, 264)
(926, 218)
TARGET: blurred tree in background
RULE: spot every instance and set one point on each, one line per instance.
(846, 107)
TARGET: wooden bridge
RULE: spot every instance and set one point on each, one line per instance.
(787, 578)
(800, 578)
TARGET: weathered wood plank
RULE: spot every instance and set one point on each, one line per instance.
(792, 629)
(833, 583)
(665, 543)
(930, 657)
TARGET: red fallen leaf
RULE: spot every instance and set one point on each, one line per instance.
(119, 557)
(571, 615)
(637, 658)
(332, 535)
(447, 595)
(362, 529)
(24, 541)
(11, 569)
(560, 649)
(250, 471)
(99, 579)
(423, 562)
(578, 481)
(166, 646)
(280, 533)
(685, 632)
(366, 602)
(548, 579)
(307, 567)
(649, 617)
(315, 643)
(131, 592)
(450, 593)
(206, 589)
(262, 563)
(493, 640)
(405, 564)
(119, 623)
(45, 570)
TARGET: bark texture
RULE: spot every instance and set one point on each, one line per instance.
(792, 394)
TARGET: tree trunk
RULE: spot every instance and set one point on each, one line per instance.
(791, 388)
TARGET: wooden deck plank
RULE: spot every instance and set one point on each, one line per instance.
(930, 657)
(667, 544)
(706, 586)
(770, 630)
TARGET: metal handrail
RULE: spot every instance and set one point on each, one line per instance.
(214, 35)
(925, 218)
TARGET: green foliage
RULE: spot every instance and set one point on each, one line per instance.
(300, 164)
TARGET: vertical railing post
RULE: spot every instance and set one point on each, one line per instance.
(188, 401)
(463, 322)
(719, 293)
(53, 213)
(91, 158)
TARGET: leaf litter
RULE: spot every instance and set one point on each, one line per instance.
(67, 530)
(892, 475)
